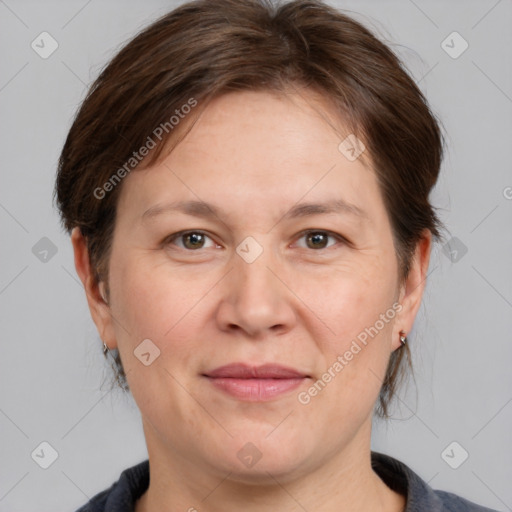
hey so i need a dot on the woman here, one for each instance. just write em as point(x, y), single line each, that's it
point(246, 188)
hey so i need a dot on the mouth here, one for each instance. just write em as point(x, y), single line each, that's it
point(255, 383)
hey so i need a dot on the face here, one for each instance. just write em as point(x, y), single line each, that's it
point(259, 262)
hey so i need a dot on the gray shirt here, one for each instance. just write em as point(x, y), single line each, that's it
point(134, 481)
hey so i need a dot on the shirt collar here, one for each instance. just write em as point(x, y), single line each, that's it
point(134, 481)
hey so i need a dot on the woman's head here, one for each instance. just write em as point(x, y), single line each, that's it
point(241, 123)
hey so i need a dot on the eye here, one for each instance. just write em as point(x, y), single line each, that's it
point(191, 240)
point(319, 239)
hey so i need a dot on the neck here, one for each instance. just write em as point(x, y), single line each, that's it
point(344, 483)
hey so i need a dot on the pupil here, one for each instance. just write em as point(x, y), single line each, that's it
point(193, 240)
point(317, 239)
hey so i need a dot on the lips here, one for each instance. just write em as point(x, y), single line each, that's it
point(244, 371)
point(255, 383)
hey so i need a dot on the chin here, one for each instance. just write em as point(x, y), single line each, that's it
point(267, 472)
point(262, 459)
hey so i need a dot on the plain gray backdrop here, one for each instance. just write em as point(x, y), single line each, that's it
point(452, 427)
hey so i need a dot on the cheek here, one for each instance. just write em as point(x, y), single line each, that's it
point(348, 299)
point(149, 303)
point(139, 304)
point(354, 318)
point(152, 302)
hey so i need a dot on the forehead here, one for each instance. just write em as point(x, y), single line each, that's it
point(248, 150)
point(260, 124)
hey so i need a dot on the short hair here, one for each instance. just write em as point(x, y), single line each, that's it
point(204, 49)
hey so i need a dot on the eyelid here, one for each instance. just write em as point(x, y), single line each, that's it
point(332, 234)
point(171, 238)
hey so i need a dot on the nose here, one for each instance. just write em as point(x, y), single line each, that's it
point(255, 299)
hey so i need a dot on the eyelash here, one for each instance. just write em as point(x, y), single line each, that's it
point(170, 239)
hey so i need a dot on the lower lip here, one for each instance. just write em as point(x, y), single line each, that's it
point(256, 390)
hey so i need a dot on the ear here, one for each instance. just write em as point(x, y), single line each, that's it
point(98, 306)
point(412, 289)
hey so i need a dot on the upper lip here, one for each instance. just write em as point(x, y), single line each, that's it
point(247, 371)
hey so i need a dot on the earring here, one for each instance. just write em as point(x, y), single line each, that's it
point(105, 349)
point(403, 338)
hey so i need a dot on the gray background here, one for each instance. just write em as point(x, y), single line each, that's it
point(52, 368)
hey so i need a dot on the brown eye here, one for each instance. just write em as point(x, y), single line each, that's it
point(317, 240)
point(191, 240)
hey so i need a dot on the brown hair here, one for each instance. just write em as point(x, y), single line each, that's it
point(203, 49)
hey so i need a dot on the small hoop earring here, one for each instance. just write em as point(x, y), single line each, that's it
point(403, 338)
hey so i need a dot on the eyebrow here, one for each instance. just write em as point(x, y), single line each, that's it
point(207, 210)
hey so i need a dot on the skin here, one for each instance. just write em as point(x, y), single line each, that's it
point(255, 155)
